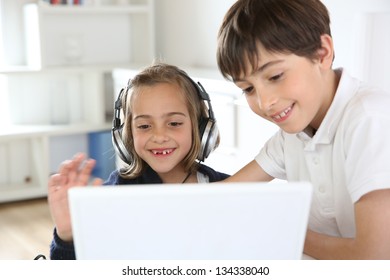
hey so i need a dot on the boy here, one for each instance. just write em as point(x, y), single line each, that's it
point(332, 127)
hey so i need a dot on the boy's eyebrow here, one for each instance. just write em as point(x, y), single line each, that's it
point(165, 115)
point(262, 68)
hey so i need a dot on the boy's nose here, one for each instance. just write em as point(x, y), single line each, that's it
point(266, 101)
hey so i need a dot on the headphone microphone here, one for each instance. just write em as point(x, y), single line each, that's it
point(208, 130)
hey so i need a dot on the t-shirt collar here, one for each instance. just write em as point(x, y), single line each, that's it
point(346, 89)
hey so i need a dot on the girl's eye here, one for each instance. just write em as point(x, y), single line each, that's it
point(143, 126)
point(175, 124)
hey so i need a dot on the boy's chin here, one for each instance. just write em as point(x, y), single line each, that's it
point(292, 129)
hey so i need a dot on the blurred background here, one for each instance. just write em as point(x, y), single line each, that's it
point(62, 66)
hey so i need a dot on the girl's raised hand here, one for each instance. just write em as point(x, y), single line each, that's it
point(72, 173)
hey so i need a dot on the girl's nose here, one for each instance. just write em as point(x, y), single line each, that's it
point(159, 135)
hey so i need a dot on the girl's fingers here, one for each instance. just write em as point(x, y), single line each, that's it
point(85, 172)
point(75, 172)
point(73, 164)
point(54, 182)
point(68, 170)
point(97, 182)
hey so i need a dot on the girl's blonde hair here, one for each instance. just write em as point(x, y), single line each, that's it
point(152, 75)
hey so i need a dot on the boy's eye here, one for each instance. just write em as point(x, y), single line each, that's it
point(247, 90)
point(276, 77)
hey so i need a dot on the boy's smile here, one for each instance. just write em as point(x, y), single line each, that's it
point(280, 117)
point(291, 91)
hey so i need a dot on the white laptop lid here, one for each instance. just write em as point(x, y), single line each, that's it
point(220, 221)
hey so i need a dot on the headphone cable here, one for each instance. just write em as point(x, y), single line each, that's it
point(185, 179)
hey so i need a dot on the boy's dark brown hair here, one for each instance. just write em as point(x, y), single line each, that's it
point(280, 26)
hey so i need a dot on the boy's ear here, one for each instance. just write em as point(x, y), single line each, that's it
point(326, 53)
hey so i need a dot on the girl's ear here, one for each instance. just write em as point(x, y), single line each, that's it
point(326, 53)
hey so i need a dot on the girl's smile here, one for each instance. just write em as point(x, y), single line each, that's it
point(162, 152)
point(162, 129)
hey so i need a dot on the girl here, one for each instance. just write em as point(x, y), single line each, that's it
point(169, 129)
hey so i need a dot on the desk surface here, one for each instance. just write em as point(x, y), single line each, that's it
point(307, 257)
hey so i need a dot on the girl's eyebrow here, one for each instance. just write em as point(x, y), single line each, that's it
point(170, 114)
point(261, 68)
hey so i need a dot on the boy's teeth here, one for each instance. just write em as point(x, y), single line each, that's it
point(281, 115)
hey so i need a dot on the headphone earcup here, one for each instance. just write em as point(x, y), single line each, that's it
point(119, 146)
point(208, 132)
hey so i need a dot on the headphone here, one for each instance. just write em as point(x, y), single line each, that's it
point(208, 130)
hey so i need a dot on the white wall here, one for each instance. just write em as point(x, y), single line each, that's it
point(187, 30)
point(362, 38)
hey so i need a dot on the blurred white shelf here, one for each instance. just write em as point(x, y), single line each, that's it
point(56, 84)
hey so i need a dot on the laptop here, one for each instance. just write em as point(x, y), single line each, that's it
point(219, 221)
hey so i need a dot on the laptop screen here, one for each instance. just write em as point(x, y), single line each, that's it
point(219, 221)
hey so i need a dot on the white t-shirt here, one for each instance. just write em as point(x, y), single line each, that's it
point(348, 156)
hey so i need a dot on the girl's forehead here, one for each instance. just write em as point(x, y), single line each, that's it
point(161, 96)
point(157, 90)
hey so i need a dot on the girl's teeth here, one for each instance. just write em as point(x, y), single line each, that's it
point(165, 152)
